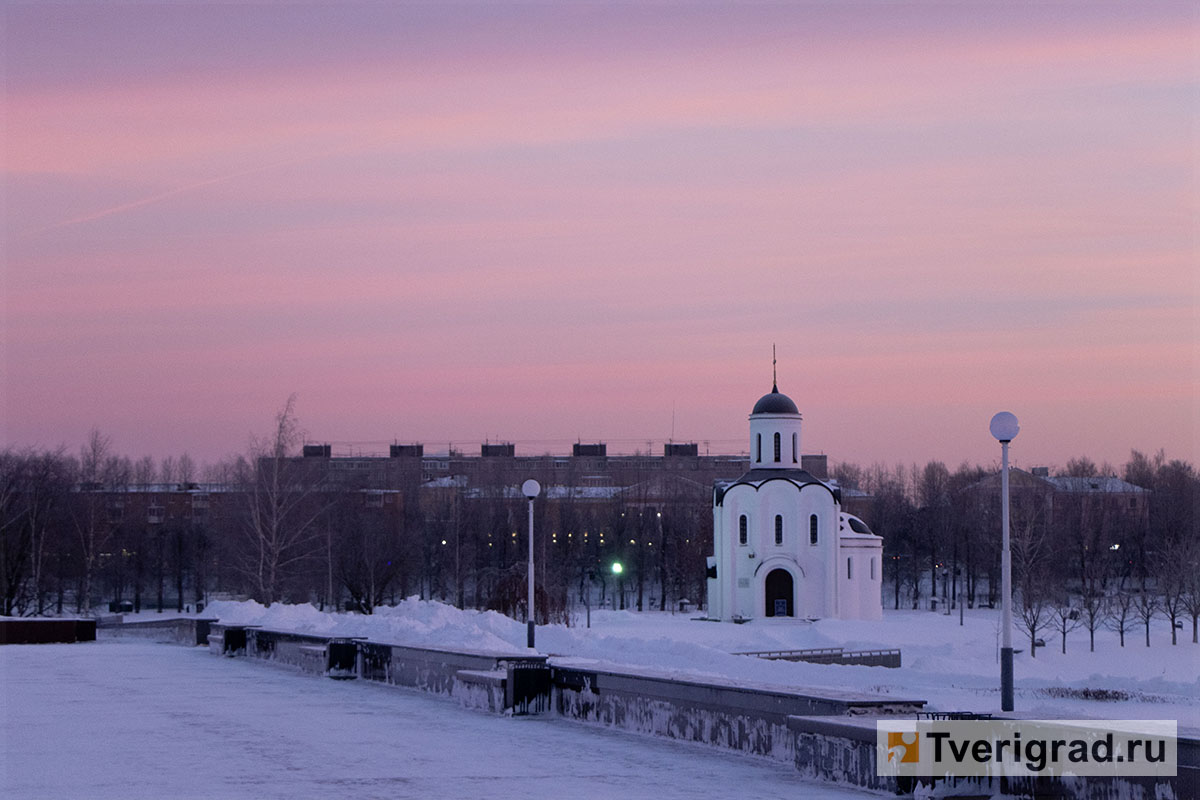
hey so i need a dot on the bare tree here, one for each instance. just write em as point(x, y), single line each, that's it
point(1146, 605)
point(284, 508)
point(365, 553)
point(1174, 576)
point(1064, 618)
point(1032, 556)
point(1093, 610)
point(1033, 614)
point(168, 471)
point(15, 543)
point(99, 473)
point(144, 471)
point(186, 469)
point(1082, 467)
point(1120, 615)
point(1188, 565)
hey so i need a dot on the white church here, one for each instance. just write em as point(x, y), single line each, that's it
point(782, 545)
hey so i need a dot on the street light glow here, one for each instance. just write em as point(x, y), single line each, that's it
point(617, 569)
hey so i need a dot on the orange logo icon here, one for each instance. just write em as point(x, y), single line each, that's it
point(903, 747)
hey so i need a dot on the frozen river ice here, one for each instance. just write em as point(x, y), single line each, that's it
point(130, 719)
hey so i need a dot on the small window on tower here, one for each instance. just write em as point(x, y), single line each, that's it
point(849, 569)
point(758, 447)
point(778, 529)
point(812, 529)
point(777, 448)
point(742, 532)
point(795, 448)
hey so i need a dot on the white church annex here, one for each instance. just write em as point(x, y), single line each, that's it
point(782, 545)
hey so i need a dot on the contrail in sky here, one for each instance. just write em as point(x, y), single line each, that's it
point(154, 198)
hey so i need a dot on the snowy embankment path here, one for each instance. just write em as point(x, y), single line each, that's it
point(130, 719)
point(953, 667)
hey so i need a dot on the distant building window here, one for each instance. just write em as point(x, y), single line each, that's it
point(795, 448)
point(849, 569)
point(777, 449)
point(778, 529)
point(742, 529)
point(812, 529)
point(758, 447)
point(1133, 502)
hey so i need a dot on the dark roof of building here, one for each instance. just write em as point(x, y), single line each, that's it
point(775, 403)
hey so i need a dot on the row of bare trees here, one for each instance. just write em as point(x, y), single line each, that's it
point(1088, 551)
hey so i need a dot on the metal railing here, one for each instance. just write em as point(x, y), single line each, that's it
point(832, 655)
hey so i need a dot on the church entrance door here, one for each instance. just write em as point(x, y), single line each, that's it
point(779, 593)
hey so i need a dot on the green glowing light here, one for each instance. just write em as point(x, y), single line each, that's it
point(617, 569)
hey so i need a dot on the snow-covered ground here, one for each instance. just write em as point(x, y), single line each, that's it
point(954, 668)
point(129, 719)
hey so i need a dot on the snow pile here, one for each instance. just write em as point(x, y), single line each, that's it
point(413, 622)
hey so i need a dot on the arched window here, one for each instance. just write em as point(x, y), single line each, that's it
point(778, 529)
point(758, 447)
point(812, 529)
point(742, 526)
point(795, 448)
point(849, 569)
point(777, 450)
point(872, 568)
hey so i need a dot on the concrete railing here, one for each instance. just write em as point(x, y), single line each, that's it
point(509, 682)
point(724, 714)
point(182, 630)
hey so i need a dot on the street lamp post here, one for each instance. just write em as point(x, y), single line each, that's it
point(530, 489)
point(1005, 428)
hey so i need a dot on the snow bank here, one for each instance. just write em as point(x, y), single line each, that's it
point(413, 622)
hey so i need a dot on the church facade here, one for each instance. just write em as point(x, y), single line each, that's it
point(782, 545)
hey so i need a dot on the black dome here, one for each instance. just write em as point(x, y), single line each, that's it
point(775, 403)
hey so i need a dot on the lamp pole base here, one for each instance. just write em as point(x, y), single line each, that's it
point(529, 643)
point(1006, 678)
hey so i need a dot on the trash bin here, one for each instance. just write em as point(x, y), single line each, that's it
point(527, 688)
point(343, 658)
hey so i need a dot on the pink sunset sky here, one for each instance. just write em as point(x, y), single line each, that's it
point(545, 224)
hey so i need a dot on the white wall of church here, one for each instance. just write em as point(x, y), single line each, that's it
point(860, 575)
point(742, 568)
